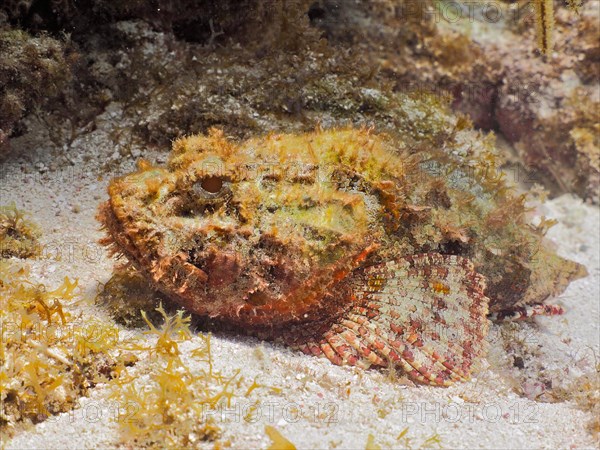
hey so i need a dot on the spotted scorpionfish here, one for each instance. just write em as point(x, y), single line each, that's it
point(340, 243)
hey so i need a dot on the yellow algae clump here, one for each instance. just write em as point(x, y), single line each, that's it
point(18, 236)
point(371, 444)
point(280, 442)
point(170, 400)
point(48, 358)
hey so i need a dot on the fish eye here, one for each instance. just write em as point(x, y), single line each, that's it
point(212, 184)
point(212, 189)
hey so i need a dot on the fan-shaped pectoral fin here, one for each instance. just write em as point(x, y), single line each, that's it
point(425, 314)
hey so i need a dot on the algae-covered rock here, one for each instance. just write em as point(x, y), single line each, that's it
point(549, 109)
point(202, 21)
point(181, 67)
point(18, 235)
point(32, 71)
point(486, 57)
point(126, 294)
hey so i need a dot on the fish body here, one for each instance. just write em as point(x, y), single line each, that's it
point(340, 243)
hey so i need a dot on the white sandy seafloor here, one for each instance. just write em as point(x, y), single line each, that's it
point(320, 405)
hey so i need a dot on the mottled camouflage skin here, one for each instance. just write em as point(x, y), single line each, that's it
point(282, 236)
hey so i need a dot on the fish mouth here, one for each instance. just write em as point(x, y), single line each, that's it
point(120, 242)
point(173, 276)
point(262, 285)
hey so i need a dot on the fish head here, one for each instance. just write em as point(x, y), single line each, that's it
point(261, 232)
